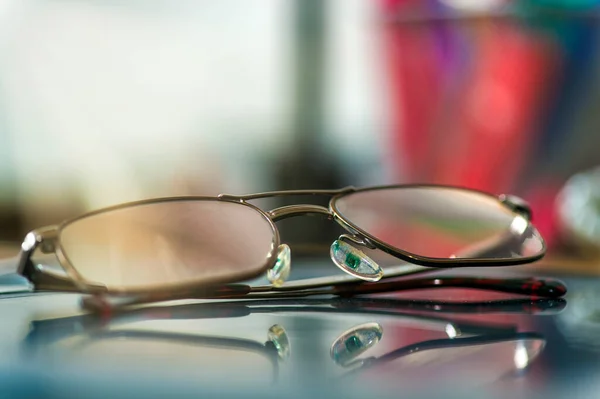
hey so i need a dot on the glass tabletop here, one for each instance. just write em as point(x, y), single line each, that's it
point(456, 343)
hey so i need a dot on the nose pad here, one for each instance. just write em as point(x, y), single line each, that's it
point(280, 272)
point(279, 339)
point(353, 261)
point(346, 349)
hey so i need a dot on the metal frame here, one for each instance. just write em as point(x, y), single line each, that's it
point(512, 203)
point(48, 240)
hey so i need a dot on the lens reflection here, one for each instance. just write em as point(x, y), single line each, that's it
point(439, 222)
point(175, 356)
point(166, 243)
point(480, 362)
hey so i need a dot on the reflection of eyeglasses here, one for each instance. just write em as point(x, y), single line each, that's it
point(346, 350)
point(173, 247)
point(416, 311)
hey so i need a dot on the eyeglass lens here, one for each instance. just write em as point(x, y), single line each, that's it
point(169, 243)
point(439, 222)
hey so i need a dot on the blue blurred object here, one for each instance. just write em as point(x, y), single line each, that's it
point(573, 27)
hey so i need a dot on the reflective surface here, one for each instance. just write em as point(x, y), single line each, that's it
point(369, 352)
point(166, 243)
point(441, 223)
point(453, 343)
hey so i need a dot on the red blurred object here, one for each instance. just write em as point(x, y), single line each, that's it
point(490, 138)
point(413, 67)
point(467, 94)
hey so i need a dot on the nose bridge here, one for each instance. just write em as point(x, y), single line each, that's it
point(289, 211)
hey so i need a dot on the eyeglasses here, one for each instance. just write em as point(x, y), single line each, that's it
point(202, 246)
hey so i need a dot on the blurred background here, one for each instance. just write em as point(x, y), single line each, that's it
point(103, 102)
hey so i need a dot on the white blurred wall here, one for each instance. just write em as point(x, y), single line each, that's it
point(109, 101)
